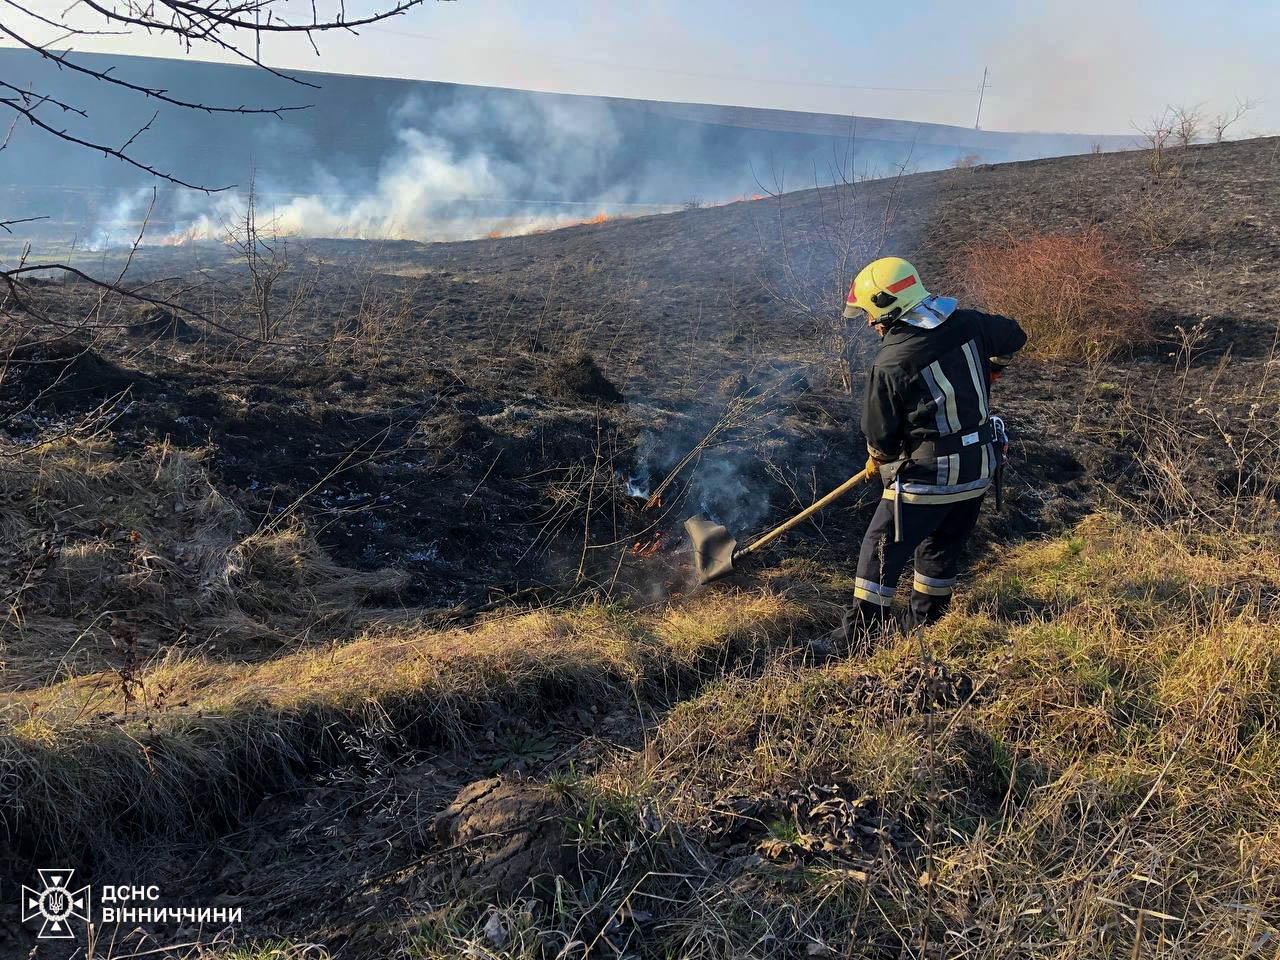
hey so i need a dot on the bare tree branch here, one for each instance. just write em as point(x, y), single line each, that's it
point(30, 114)
point(220, 24)
point(77, 31)
point(208, 11)
point(154, 93)
point(1228, 118)
point(6, 224)
point(37, 100)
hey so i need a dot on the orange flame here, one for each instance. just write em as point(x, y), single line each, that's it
point(642, 549)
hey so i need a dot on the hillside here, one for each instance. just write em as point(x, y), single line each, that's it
point(364, 626)
point(453, 160)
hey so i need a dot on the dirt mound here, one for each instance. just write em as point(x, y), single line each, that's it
point(507, 833)
point(578, 376)
point(61, 375)
point(153, 322)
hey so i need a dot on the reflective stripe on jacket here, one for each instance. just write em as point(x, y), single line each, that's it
point(927, 384)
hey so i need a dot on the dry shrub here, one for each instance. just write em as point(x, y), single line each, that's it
point(1167, 210)
point(146, 554)
point(1075, 295)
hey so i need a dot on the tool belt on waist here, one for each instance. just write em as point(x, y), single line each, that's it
point(952, 443)
point(992, 431)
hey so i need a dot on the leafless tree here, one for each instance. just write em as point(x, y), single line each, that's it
point(813, 260)
point(217, 27)
point(1187, 123)
point(1228, 118)
point(266, 258)
point(1157, 136)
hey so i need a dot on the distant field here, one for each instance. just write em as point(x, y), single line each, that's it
point(384, 158)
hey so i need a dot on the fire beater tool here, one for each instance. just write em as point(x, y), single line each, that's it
point(715, 550)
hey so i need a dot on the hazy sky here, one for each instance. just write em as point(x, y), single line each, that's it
point(1088, 66)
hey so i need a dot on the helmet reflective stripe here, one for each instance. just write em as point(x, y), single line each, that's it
point(886, 289)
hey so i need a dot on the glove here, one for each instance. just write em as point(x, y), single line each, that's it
point(872, 469)
point(997, 366)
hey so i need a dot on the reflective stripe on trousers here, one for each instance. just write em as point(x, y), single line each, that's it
point(933, 536)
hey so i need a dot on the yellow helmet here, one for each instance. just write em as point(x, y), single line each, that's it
point(885, 289)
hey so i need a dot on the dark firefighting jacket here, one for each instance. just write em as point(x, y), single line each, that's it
point(928, 403)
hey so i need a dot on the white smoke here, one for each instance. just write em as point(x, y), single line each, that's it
point(122, 221)
point(495, 163)
point(722, 491)
point(462, 172)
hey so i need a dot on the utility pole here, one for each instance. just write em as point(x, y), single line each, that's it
point(981, 90)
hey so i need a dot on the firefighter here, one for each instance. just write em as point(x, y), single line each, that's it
point(932, 441)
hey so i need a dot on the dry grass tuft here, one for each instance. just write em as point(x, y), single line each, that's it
point(215, 734)
point(121, 559)
point(1085, 763)
point(1076, 295)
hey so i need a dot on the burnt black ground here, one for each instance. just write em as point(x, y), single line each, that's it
point(459, 456)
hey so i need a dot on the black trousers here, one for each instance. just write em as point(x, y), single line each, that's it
point(935, 535)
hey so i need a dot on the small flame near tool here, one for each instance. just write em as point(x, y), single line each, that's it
point(650, 547)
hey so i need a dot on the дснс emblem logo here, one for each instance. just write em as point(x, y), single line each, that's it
point(55, 903)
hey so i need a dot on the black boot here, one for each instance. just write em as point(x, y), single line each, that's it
point(925, 609)
point(861, 626)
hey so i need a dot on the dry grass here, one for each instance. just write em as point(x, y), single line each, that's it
point(1107, 787)
point(204, 737)
point(1081, 761)
point(1076, 295)
point(124, 558)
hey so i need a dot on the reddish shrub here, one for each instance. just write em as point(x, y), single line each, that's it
point(1076, 295)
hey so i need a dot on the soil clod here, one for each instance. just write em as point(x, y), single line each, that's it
point(60, 375)
point(505, 833)
point(579, 376)
point(153, 322)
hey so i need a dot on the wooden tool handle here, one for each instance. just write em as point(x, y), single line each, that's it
point(805, 514)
